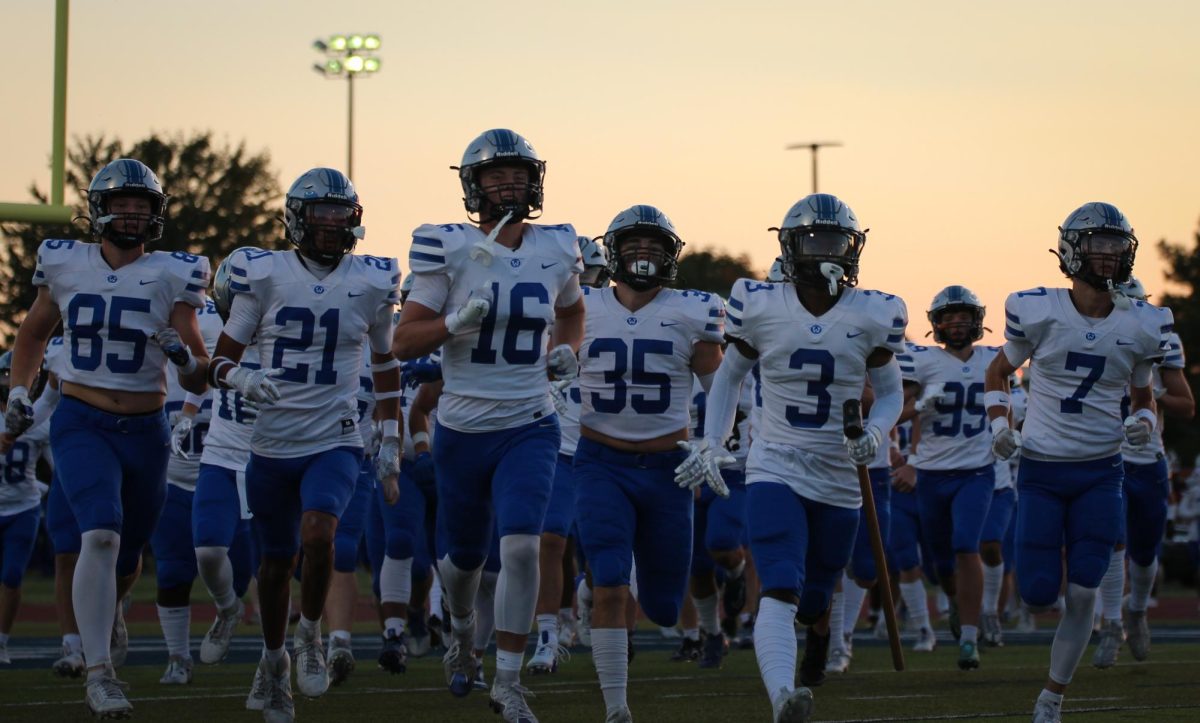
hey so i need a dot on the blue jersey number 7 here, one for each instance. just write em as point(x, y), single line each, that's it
point(1094, 364)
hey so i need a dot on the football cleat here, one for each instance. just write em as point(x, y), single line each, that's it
point(745, 636)
point(1047, 712)
point(793, 706)
point(479, 682)
point(816, 653)
point(568, 629)
point(257, 699)
point(70, 665)
point(1139, 635)
point(584, 628)
point(992, 635)
point(688, 651)
point(118, 642)
point(733, 598)
point(621, 715)
point(215, 645)
point(926, 641)
point(418, 641)
point(278, 706)
point(508, 699)
point(953, 620)
point(340, 660)
point(393, 657)
point(1111, 637)
point(714, 650)
point(106, 699)
point(1025, 620)
point(968, 655)
point(547, 655)
point(459, 666)
point(839, 661)
point(179, 671)
point(312, 675)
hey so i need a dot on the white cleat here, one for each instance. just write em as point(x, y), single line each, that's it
point(508, 699)
point(278, 706)
point(547, 656)
point(340, 661)
point(1139, 635)
point(179, 671)
point(839, 661)
point(257, 700)
point(621, 715)
point(312, 675)
point(568, 632)
point(583, 630)
point(1111, 637)
point(992, 633)
point(118, 642)
point(105, 699)
point(1047, 712)
point(4, 658)
point(215, 645)
point(70, 665)
point(793, 706)
point(1025, 621)
point(670, 633)
point(926, 641)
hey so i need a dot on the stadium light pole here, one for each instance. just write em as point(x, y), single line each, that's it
point(347, 56)
point(813, 146)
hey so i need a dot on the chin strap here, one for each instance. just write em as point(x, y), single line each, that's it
point(482, 251)
point(1120, 300)
point(833, 275)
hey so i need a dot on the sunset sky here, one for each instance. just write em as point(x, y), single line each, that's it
point(971, 130)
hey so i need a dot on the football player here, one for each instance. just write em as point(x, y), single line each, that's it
point(1146, 488)
point(817, 339)
point(643, 344)
point(489, 295)
point(905, 548)
point(312, 311)
point(1084, 345)
point(125, 313)
point(953, 458)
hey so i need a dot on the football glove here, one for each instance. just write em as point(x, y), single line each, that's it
point(416, 372)
point(1006, 441)
point(562, 362)
point(254, 384)
point(18, 417)
point(469, 315)
point(174, 349)
point(931, 394)
point(862, 450)
point(702, 466)
point(558, 395)
point(1138, 431)
point(179, 432)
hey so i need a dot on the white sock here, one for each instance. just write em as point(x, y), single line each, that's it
point(610, 653)
point(94, 593)
point(342, 636)
point(175, 623)
point(943, 602)
point(1141, 581)
point(993, 578)
point(851, 605)
point(217, 573)
point(461, 586)
point(970, 634)
point(309, 629)
point(837, 611)
point(775, 644)
point(508, 666)
point(393, 625)
point(566, 616)
point(517, 586)
point(395, 581)
point(1112, 586)
point(692, 634)
point(706, 611)
point(1074, 631)
point(1054, 699)
point(72, 643)
point(737, 571)
point(917, 602)
point(547, 628)
point(485, 611)
point(435, 594)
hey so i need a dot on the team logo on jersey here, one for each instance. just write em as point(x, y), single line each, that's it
point(318, 289)
point(1090, 336)
point(632, 321)
point(816, 328)
point(516, 263)
point(112, 278)
point(966, 369)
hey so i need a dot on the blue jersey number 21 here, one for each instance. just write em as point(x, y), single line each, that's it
point(304, 316)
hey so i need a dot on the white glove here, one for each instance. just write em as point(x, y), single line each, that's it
point(468, 316)
point(175, 350)
point(255, 384)
point(181, 431)
point(372, 441)
point(863, 449)
point(19, 415)
point(1006, 441)
point(562, 362)
point(931, 394)
point(1138, 431)
point(387, 462)
point(702, 466)
point(558, 395)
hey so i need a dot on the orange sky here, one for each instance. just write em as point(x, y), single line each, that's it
point(971, 129)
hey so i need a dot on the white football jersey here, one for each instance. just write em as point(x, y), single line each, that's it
point(904, 435)
point(495, 378)
point(737, 444)
point(635, 368)
point(314, 330)
point(19, 489)
point(231, 425)
point(1154, 451)
point(56, 356)
point(810, 366)
point(182, 472)
point(108, 316)
point(955, 434)
point(568, 418)
point(1079, 370)
point(365, 397)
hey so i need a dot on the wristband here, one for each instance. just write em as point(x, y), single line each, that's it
point(390, 428)
point(392, 363)
point(18, 392)
point(190, 366)
point(1150, 417)
point(380, 396)
point(998, 424)
point(995, 398)
point(196, 400)
point(420, 438)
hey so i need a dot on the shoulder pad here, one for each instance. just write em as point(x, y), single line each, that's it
point(248, 267)
point(434, 247)
point(888, 312)
point(189, 267)
point(1024, 312)
point(382, 273)
point(707, 312)
point(742, 296)
point(1174, 358)
point(1158, 323)
point(55, 252)
point(567, 240)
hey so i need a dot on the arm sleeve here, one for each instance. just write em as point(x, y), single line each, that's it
point(45, 404)
point(430, 291)
point(569, 293)
point(1143, 373)
point(721, 406)
point(197, 281)
point(244, 316)
point(889, 395)
point(380, 331)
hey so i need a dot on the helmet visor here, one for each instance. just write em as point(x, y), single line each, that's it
point(819, 242)
point(332, 214)
point(1105, 244)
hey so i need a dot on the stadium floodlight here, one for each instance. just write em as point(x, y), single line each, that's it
point(348, 55)
point(814, 146)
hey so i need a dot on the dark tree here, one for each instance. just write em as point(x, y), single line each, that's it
point(708, 270)
point(1183, 271)
point(221, 197)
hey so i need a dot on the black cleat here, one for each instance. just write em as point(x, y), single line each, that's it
point(394, 655)
point(689, 651)
point(816, 655)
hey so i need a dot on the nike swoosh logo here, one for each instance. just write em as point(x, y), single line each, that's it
point(857, 333)
point(354, 295)
point(669, 323)
point(546, 266)
point(144, 282)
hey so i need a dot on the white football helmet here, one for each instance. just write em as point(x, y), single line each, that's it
point(1097, 233)
point(323, 215)
point(821, 242)
point(126, 177)
point(224, 289)
point(956, 298)
point(643, 269)
point(497, 147)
